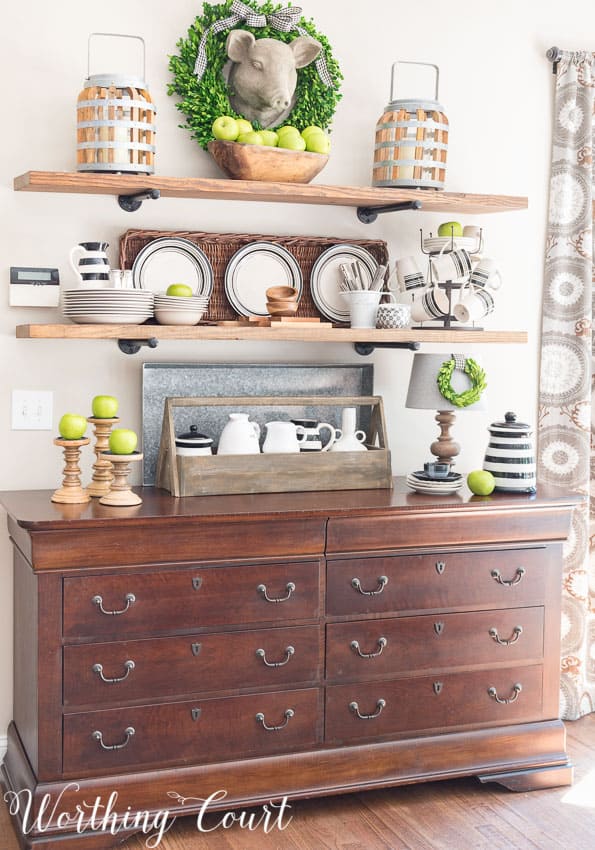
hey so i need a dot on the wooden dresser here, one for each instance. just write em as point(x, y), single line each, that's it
point(290, 644)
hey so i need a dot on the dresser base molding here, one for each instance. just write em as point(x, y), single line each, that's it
point(522, 757)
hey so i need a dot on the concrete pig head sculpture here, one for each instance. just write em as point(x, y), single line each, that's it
point(263, 74)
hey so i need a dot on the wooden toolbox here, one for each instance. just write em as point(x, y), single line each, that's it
point(210, 475)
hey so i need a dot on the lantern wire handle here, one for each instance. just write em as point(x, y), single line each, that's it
point(115, 35)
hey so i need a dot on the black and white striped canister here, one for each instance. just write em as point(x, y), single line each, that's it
point(510, 456)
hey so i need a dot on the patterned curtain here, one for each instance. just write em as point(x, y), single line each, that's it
point(566, 410)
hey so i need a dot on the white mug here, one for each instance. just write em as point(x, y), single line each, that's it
point(451, 265)
point(485, 274)
point(474, 306)
point(363, 305)
point(409, 274)
point(429, 305)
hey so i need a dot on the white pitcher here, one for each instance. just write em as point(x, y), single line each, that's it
point(283, 437)
point(90, 264)
point(240, 436)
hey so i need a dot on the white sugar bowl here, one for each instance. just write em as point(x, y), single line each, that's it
point(393, 315)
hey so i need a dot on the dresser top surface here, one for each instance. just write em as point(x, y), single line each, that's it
point(33, 510)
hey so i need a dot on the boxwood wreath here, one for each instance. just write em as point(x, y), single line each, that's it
point(475, 374)
point(205, 100)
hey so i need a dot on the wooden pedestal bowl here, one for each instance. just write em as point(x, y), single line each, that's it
point(274, 165)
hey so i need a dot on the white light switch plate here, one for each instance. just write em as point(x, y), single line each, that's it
point(32, 410)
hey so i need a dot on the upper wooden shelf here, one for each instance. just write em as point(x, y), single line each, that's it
point(246, 190)
point(259, 334)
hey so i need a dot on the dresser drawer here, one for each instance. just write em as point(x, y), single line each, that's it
point(367, 649)
point(175, 600)
point(152, 668)
point(493, 579)
point(192, 732)
point(432, 702)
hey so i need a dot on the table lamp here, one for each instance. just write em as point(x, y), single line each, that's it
point(467, 382)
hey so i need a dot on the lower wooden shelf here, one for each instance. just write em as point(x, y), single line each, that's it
point(256, 334)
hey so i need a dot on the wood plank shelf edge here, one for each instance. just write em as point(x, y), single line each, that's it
point(289, 334)
point(245, 190)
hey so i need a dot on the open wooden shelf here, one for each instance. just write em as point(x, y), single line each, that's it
point(245, 190)
point(256, 334)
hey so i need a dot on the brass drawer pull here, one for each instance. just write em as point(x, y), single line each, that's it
point(128, 666)
point(382, 582)
point(130, 599)
point(493, 693)
point(289, 587)
point(128, 732)
point(289, 713)
point(354, 707)
point(382, 642)
point(508, 582)
point(289, 651)
point(516, 633)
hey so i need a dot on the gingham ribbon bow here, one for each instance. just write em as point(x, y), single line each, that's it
point(285, 20)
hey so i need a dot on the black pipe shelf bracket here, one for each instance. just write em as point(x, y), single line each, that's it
point(367, 348)
point(132, 203)
point(369, 214)
point(133, 346)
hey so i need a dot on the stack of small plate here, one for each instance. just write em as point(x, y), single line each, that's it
point(107, 306)
point(180, 310)
point(422, 483)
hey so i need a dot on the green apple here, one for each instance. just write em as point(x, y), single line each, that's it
point(269, 138)
point(291, 142)
point(288, 129)
point(251, 138)
point(179, 290)
point(311, 129)
point(450, 228)
point(122, 441)
point(244, 126)
point(72, 426)
point(226, 128)
point(318, 142)
point(481, 482)
point(104, 406)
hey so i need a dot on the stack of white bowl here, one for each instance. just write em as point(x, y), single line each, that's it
point(107, 306)
point(180, 310)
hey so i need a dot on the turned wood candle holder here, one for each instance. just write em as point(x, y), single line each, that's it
point(71, 491)
point(102, 468)
point(120, 494)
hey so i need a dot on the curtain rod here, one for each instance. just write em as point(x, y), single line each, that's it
point(554, 54)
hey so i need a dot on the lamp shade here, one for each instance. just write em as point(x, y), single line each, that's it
point(423, 392)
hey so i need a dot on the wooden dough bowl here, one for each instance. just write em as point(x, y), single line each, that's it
point(255, 162)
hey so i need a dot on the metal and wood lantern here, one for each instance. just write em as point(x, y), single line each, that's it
point(115, 121)
point(411, 141)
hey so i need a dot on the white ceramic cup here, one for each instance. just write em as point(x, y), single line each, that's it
point(451, 265)
point(474, 306)
point(485, 274)
point(429, 305)
point(409, 274)
point(363, 305)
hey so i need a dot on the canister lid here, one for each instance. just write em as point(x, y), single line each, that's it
point(193, 438)
point(411, 104)
point(120, 81)
point(510, 424)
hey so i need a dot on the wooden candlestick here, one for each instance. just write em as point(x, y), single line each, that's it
point(102, 468)
point(71, 492)
point(445, 448)
point(120, 493)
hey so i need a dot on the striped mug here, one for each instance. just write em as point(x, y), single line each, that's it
point(510, 456)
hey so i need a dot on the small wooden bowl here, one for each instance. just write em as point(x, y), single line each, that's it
point(259, 162)
point(282, 293)
point(282, 308)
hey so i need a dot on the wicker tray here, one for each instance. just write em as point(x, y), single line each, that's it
point(220, 247)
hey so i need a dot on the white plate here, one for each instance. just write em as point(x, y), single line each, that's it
point(100, 305)
point(432, 489)
point(435, 244)
point(326, 276)
point(170, 260)
point(255, 268)
point(111, 319)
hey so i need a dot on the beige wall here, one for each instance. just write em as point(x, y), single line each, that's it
point(496, 89)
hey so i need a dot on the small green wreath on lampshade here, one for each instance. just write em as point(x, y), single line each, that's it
point(205, 100)
point(476, 375)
